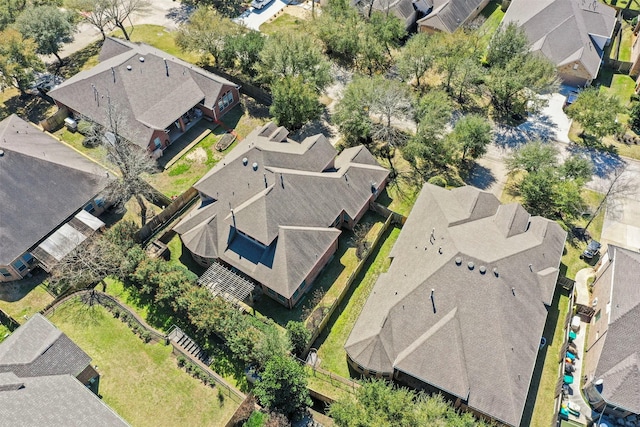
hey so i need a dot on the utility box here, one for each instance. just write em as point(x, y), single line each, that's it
point(71, 124)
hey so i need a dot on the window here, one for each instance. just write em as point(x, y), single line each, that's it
point(5, 272)
point(598, 314)
point(157, 143)
point(225, 100)
point(89, 208)
point(19, 265)
point(28, 258)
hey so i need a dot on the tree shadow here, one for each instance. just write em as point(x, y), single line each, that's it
point(604, 163)
point(18, 289)
point(75, 62)
point(480, 176)
point(32, 107)
point(181, 14)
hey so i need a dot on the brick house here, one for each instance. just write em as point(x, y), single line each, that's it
point(159, 96)
point(273, 209)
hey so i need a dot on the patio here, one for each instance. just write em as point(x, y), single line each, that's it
point(195, 132)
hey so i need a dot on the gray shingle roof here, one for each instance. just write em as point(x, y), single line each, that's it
point(449, 15)
point(619, 362)
point(38, 348)
point(151, 95)
point(562, 30)
point(478, 338)
point(53, 401)
point(42, 183)
point(288, 204)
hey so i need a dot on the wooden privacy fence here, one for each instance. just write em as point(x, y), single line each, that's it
point(260, 95)
point(55, 122)
point(8, 321)
point(175, 208)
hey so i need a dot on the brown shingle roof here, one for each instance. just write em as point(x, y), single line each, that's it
point(478, 338)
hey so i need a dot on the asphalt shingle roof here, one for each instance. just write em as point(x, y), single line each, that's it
point(449, 15)
point(478, 337)
point(42, 183)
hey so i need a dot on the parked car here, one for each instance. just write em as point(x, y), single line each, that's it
point(260, 4)
point(592, 249)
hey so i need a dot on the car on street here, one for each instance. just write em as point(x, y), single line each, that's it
point(260, 4)
point(592, 249)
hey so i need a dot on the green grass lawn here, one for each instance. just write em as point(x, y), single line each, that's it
point(161, 38)
point(141, 382)
point(544, 384)
point(30, 303)
point(493, 15)
point(4, 332)
point(613, 83)
point(283, 23)
point(626, 42)
point(331, 342)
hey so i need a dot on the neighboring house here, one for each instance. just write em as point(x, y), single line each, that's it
point(612, 360)
point(570, 33)
point(273, 208)
point(635, 58)
point(157, 96)
point(462, 308)
point(401, 9)
point(45, 380)
point(47, 190)
point(449, 15)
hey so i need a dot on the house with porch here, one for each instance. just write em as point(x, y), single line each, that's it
point(462, 308)
point(47, 380)
point(570, 33)
point(156, 96)
point(50, 198)
point(612, 358)
point(273, 209)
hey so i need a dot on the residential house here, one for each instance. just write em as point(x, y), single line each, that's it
point(156, 96)
point(274, 207)
point(401, 9)
point(612, 359)
point(47, 380)
point(449, 15)
point(570, 33)
point(48, 192)
point(462, 307)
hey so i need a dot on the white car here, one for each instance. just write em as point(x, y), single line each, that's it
point(260, 4)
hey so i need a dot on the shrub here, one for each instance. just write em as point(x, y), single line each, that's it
point(115, 312)
point(181, 361)
point(124, 317)
point(438, 180)
point(145, 335)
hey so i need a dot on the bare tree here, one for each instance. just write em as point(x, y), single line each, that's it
point(119, 11)
point(93, 12)
point(618, 188)
point(131, 162)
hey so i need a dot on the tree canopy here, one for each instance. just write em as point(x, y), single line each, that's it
point(48, 26)
point(18, 60)
point(283, 387)
point(596, 112)
point(294, 102)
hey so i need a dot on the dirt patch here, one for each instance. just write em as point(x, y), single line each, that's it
point(199, 155)
point(300, 11)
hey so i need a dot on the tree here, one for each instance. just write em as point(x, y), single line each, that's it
point(49, 27)
point(130, 161)
point(93, 12)
point(283, 387)
point(119, 11)
point(472, 133)
point(508, 43)
point(618, 188)
point(299, 336)
point(11, 9)
point(18, 61)
point(596, 112)
point(289, 54)
point(450, 53)
point(294, 102)
point(242, 51)
point(352, 114)
point(416, 57)
point(634, 119)
point(532, 157)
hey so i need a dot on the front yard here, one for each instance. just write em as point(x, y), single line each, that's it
point(141, 382)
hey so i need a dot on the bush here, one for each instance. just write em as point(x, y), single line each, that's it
point(124, 317)
point(181, 361)
point(145, 335)
point(634, 117)
point(115, 312)
point(438, 180)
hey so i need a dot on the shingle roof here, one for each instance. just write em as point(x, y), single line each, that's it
point(449, 15)
point(287, 203)
point(562, 30)
point(619, 363)
point(52, 401)
point(403, 9)
point(42, 183)
point(478, 337)
point(150, 94)
point(38, 348)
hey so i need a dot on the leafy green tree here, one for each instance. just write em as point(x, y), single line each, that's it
point(596, 112)
point(283, 387)
point(634, 119)
point(416, 57)
point(577, 168)
point(532, 157)
point(48, 26)
point(434, 108)
point(352, 113)
point(242, 51)
point(508, 43)
point(299, 336)
point(451, 51)
point(272, 343)
point(289, 54)
point(472, 133)
point(18, 61)
point(294, 102)
point(538, 191)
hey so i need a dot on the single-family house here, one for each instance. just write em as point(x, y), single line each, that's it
point(463, 305)
point(47, 380)
point(274, 207)
point(570, 33)
point(49, 193)
point(612, 358)
point(449, 15)
point(156, 96)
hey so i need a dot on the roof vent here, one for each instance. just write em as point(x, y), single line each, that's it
point(495, 271)
point(141, 59)
point(1, 153)
point(471, 265)
point(482, 269)
point(129, 67)
point(255, 166)
point(245, 161)
point(458, 261)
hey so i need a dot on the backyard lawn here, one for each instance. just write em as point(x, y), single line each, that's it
point(23, 302)
point(493, 15)
point(613, 83)
point(331, 342)
point(141, 382)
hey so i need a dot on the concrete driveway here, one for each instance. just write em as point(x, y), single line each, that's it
point(256, 17)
